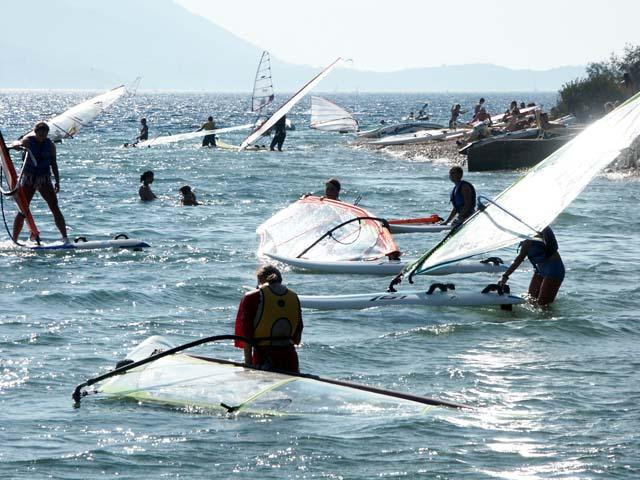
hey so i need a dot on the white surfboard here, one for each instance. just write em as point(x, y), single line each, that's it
point(383, 266)
point(81, 244)
point(436, 299)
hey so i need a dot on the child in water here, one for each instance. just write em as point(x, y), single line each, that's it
point(187, 196)
point(146, 179)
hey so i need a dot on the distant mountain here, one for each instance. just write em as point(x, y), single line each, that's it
point(90, 44)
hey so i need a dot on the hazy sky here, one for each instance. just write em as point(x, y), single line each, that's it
point(396, 34)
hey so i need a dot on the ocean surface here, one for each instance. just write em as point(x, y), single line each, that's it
point(555, 392)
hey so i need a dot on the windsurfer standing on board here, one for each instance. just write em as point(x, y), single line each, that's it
point(548, 267)
point(280, 133)
point(463, 198)
point(271, 316)
point(37, 177)
point(208, 140)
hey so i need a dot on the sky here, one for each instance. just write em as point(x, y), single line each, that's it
point(397, 34)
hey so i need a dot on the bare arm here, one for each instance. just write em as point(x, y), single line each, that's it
point(516, 262)
point(450, 217)
point(54, 168)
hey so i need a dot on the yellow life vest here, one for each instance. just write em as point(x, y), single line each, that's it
point(278, 316)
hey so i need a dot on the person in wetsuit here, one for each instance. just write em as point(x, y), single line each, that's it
point(271, 316)
point(208, 140)
point(548, 266)
point(463, 198)
point(144, 131)
point(36, 177)
point(279, 133)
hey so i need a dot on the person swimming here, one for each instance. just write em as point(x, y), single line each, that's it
point(188, 198)
point(146, 179)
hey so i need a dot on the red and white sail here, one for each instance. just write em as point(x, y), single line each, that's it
point(293, 231)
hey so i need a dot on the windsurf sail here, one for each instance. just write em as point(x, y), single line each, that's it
point(164, 140)
point(300, 231)
point(209, 383)
point(288, 105)
point(327, 116)
point(70, 122)
point(263, 85)
point(535, 200)
point(12, 179)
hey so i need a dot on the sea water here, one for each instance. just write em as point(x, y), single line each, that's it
point(555, 392)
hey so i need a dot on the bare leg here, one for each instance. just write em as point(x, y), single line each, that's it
point(534, 285)
point(18, 222)
point(548, 290)
point(49, 195)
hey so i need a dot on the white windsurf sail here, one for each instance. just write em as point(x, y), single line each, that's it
point(301, 231)
point(329, 117)
point(263, 85)
point(288, 105)
point(535, 200)
point(69, 123)
point(209, 383)
point(167, 139)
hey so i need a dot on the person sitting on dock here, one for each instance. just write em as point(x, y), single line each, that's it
point(187, 197)
point(271, 316)
point(482, 116)
point(548, 267)
point(463, 198)
point(478, 107)
point(146, 179)
point(208, 140)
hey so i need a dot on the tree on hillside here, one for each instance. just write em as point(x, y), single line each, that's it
point(585, 97)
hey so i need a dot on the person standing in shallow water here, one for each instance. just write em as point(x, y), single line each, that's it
point(280, 133)
point(144, 131)
point(271, 316)
point(208, 140)
point(463, 198)
point(548, 267)
point(146, 179)
point(41, 162)
point(187, 197)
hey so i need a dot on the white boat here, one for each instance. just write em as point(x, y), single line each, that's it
point(177, 379)
point(384, 267)
point(438, 298)
point(397, 129)
point(422, 136)
point(533, 202)
point(288, 105)
point(329, 117)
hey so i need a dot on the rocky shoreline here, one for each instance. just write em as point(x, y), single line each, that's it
point(443, 152)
